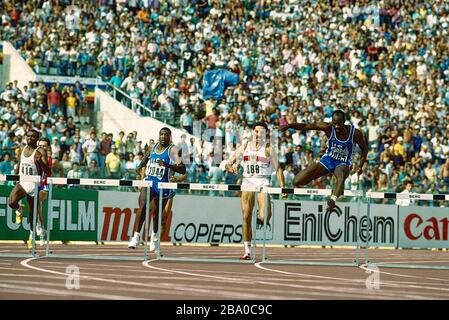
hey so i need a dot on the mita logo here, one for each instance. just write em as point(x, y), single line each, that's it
point(335, 226)
point(115, 220)
point(118, 224)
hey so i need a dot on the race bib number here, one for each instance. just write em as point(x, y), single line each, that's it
point(252, 169)
point(27, 170)
point(156, 170)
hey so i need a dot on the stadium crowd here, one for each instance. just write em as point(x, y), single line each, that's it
point(385, 63)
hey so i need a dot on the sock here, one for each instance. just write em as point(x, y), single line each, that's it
point(334, 197)
point(31, 233)
point(153, 235)
point(247, 246)
point(136, 234)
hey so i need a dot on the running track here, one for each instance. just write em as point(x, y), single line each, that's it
point(45, 278)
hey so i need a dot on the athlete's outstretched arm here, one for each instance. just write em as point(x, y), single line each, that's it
point(41, 157)
point(17, 168)
point(230, 164)
point(277, 167)
point(360, 140)
point(180, 178)
point(326, 127)
point(177, 165)
point(144, 162)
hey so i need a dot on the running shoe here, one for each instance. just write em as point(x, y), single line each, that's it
point(246, 256)
point(19, 214)
point(134, 242)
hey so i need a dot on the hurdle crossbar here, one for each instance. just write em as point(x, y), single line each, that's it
point(403, 196)
point(23, 178)
point(198, 186)
point(97, 182)
point(312, 192)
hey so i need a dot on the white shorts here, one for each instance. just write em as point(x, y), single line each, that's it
point(255, 182)
point(29, 188)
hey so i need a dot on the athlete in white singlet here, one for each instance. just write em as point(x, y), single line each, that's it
point(259, 160)
point(32, 160)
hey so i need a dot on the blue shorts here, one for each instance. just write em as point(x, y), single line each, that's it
point(330, 164)
point(166, 194)
point(43, 188)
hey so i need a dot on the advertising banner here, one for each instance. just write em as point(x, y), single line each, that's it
point(90, 215)
point(116, 215)
point(219, 220)
point(74, 216)
point(423, 227)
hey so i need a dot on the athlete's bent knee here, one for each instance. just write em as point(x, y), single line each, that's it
point(298, 181)
point(12, 204)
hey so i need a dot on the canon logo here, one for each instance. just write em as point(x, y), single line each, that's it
point(415, 227)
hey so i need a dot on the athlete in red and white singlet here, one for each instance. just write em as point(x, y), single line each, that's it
point(43, 143)
point(259, 160)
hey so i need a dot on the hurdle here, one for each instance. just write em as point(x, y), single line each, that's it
point(312, 192)
point(21, 178)
point(199, 187)
point(96, 182)
point(402, 196)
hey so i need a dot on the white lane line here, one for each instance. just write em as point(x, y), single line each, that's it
point(409, 262)
point(323, 290)
point(385, 283)
point(65, 293)
point(366, 268)
point(100, 288)
point(182, 288)
point(258, 265)
point(147, 265)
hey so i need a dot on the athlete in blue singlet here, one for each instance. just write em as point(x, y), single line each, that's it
point(161, 163)
point(338, 156)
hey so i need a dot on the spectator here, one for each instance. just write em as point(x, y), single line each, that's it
point(93, 171)
point(6, 166)
point(75, 173)
point(186, 120)
point(408, 189)
point(90, 148)
point(113, 164)
point(54, 102)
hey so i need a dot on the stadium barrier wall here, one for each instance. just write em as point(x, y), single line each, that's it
point(114, 117)
point(15, 67)
point(96, 215)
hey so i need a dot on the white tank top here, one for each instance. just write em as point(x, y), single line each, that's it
point(27, 164)
point(256, 164)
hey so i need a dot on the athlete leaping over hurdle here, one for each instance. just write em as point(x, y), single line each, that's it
point(338, 156)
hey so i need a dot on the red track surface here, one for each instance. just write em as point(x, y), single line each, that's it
point(45, 278)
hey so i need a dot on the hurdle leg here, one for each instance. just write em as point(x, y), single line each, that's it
point(367, 231)
point(357, 249)
point(33, 241)
point(253, 240)
point(147, 214)
point(265, 226)
point(49, 217)
point(159, 225)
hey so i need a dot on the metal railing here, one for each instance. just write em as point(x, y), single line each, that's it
point(137, 106)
